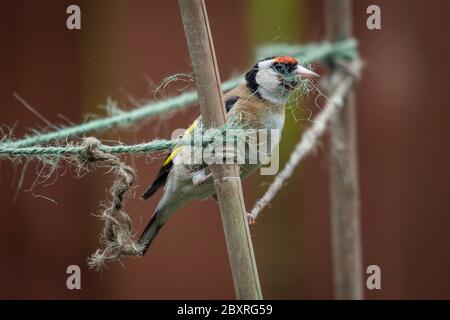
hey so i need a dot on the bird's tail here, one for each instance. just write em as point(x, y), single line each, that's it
point(150, 232)
point(157, 221)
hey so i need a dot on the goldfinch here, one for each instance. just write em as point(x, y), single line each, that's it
point(260, 100)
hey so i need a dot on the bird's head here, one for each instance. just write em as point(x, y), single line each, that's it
point(274, 78)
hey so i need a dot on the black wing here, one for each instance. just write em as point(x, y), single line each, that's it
point(159, 181)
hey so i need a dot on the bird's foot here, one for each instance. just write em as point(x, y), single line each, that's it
point(250, 220)
point(200, 177)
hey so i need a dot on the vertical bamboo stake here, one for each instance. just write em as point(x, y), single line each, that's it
point(226, 177)
point(345, 220)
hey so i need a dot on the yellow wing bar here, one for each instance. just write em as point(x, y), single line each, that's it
point(178, 149)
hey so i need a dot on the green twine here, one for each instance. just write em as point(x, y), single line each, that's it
point(152, 146)
point(197, 138)
point(312, 52)
point(307, 54)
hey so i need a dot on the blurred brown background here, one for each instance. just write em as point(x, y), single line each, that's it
point(124, 47)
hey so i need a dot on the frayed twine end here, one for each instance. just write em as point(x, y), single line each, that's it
point(117, 237)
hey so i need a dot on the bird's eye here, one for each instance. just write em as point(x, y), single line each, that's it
point(287, 76)
point(283, 68)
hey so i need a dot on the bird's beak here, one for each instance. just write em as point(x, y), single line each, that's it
point(304, 73)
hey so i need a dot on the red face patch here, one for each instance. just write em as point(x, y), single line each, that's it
point(286, 59)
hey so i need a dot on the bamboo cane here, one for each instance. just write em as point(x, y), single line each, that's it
point(226, 177)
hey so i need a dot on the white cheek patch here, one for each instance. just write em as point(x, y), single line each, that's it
point(270, 88)
point(267, 79)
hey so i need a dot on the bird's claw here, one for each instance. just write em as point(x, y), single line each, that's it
point(250, 220)
point(200, 178)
